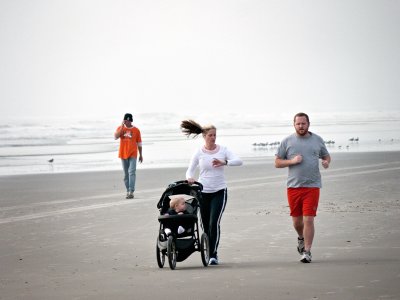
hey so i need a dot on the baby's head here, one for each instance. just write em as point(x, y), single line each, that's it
point(178, 203)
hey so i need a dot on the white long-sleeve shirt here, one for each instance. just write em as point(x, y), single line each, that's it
point(212, 178)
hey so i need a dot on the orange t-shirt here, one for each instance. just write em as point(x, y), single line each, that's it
point(129, 142)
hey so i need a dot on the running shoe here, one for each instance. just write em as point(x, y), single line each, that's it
point(300, 245)
point(129, 195)
point(213, 261)
point(306, 257)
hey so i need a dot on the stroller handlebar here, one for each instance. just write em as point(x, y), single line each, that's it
point(196, 183)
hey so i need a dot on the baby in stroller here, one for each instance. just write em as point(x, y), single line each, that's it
point(177, 206)
point(179, 234)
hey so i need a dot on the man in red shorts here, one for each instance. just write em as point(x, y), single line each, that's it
point(300, 152)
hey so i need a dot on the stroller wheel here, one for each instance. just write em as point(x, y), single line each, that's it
point(171, 252)
point(160, 255)
point(204, 249)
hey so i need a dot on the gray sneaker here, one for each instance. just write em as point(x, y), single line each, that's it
point(306, 257)
point(129, 195)
point(300, 245)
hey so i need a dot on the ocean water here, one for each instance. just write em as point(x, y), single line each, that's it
point(78, 145)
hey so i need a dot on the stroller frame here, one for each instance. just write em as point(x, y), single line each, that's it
point(177, 247)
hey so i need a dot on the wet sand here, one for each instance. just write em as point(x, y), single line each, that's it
point(75, 236)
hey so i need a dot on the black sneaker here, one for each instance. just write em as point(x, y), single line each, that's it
point(300, 245)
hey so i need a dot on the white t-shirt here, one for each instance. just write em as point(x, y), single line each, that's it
point(212, 178)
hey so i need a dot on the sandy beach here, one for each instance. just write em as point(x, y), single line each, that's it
point(75, 236)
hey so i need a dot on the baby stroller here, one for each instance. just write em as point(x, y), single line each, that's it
point(179, 246)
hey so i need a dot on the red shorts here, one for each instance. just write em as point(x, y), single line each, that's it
point(303, 201)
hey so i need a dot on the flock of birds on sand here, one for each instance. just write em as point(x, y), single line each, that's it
point(267, 145)
point(352, 139)
point(277, 143)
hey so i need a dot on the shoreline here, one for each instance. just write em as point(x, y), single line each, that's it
point(144, 166)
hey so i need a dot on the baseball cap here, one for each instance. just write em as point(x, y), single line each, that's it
point(128, 117)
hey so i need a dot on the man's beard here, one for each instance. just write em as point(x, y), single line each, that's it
point(302, 132)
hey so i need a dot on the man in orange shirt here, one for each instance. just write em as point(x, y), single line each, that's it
point(129, 146)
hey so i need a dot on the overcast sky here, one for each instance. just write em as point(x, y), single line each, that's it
point(96, 57)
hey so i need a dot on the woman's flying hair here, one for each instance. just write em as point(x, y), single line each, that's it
point(190, 127)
